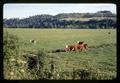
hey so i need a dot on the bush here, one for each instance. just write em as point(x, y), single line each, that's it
point(10, 52)
point(18, 66)
point(91, 74)
point(13, 62)
point(10, 44)
point(37, 65)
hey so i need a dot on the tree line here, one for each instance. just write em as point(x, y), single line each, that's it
point(59, 21)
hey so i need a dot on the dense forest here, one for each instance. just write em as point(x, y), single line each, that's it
point(100, 19)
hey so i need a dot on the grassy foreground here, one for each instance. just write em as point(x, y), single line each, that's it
point(100, 58)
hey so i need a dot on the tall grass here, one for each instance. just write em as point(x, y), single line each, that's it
point(11, 53)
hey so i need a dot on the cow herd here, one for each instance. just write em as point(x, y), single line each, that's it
point(79, 46)
point(76, 47)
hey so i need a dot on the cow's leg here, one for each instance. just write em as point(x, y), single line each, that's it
point(81, 49)
point(76, 49)
point(85, 47)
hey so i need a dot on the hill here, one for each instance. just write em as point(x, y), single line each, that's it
point(100, 19)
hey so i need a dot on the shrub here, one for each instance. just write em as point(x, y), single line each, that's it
point(10, 44)
point(10, 52)
point(37, 65)
point(13, 62)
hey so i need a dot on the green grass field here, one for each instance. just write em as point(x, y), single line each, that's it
point(101, 56)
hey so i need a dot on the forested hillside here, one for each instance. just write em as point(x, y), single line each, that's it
point(100, 19)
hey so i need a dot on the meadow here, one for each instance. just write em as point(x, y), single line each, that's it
point(100, 56)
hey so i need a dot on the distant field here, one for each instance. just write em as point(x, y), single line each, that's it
point(87, 19)
point(101, 55)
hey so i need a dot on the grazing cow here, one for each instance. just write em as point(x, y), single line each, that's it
point(82, 46)
point(70, 48)
point(77, 47)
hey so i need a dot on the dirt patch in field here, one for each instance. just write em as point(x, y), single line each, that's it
point(103, 45)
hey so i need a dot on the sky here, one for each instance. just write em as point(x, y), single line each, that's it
point(26, 10)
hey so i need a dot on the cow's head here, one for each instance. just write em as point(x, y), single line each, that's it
point(80, 42)
point(66, 46)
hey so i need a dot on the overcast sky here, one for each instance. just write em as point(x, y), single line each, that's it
point(26, 10)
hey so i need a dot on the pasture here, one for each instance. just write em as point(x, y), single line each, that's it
point(101, 55)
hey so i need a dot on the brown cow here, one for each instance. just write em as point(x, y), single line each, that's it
point(70, 48)
point(82, 46)
point(77, 47)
